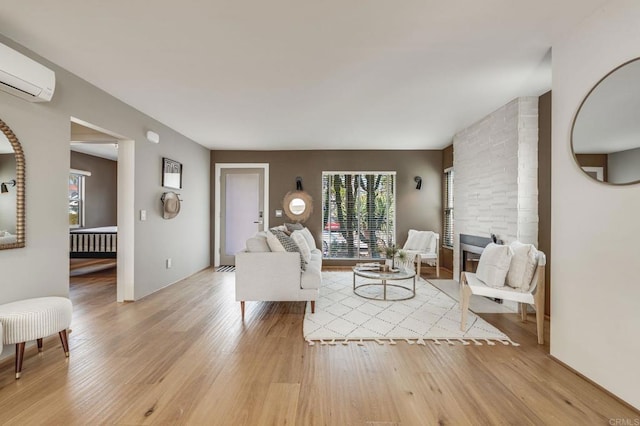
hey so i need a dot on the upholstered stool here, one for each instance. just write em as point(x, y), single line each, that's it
point(33, 319)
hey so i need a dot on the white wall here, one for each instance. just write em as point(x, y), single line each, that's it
point(42, 267)
point(495, 164)
point(595, 227)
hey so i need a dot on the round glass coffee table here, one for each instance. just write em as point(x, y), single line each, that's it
point(383, 277)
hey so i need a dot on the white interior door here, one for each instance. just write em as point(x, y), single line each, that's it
point(242, 209)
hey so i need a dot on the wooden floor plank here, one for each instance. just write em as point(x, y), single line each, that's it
point(183, 355)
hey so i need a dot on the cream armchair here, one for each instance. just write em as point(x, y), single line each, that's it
point(527, 292)
point(423, 246)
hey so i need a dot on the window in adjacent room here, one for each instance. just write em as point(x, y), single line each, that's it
point(76, 197)
point(447, 240)
point(358, 213)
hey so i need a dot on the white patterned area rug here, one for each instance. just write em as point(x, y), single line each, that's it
point(342, 316)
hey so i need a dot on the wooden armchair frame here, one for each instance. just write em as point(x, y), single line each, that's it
point(470, 284)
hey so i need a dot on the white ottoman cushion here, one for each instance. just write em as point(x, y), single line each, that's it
point(32, 319)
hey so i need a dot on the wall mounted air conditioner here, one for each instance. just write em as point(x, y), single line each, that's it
point(24, 77)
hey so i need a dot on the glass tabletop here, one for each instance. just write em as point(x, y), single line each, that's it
point(390, 275)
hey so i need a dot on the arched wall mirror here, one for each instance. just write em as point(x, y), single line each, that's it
point(297, 205)
point(605, 137)
point(12, 224)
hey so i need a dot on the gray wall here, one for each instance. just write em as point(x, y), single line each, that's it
point(42, 267)
point(8, 200)
point(624, 166)
point(415, 209)
point(101, 192)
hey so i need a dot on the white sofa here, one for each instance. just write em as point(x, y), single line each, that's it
point(271, 276)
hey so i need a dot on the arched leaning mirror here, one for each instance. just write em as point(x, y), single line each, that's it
point(11, 190)
point(605, 137)
point(297, 205)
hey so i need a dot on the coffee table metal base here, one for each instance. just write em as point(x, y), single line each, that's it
point(383, 283)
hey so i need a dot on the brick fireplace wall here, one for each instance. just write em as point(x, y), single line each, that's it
point(496, 176)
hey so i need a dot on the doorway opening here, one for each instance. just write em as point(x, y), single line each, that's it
point(101, 207)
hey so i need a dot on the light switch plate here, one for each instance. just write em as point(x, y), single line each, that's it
point(143, 215)
point(278, 213)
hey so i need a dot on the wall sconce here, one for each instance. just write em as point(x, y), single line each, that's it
point(298, 183)
point(418, 181)
point(3, 186)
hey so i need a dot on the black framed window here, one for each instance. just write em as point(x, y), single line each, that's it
point(358, 213)
point(77, 198)
point(447, 239)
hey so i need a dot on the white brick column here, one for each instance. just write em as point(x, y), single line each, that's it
point(495, 189)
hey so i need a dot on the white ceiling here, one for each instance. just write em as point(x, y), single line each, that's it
point(291, 74)
point(93, 142)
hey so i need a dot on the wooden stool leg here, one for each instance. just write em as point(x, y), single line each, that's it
point(65, 342)
point(242, 308)
point(313, 306)
point(39, 344)
point(19, 356)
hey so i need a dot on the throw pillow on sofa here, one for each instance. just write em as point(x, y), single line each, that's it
point(311, 242)
point(301, 241)
point(273, 242)
point(289, 245)
point(258, 244)
point(494, 265)
point(293, 227)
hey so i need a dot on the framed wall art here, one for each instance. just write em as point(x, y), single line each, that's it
point(171, 174)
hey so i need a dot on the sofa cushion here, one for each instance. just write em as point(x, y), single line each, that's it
point(316, 258)
point(523, 265)
point(494, 264)
point(301, 241)
point(258, 245)
point(274, 243)
point(311, 242)
point(289, 245)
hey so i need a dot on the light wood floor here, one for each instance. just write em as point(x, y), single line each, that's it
point(88, 266)
point(184, 356)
